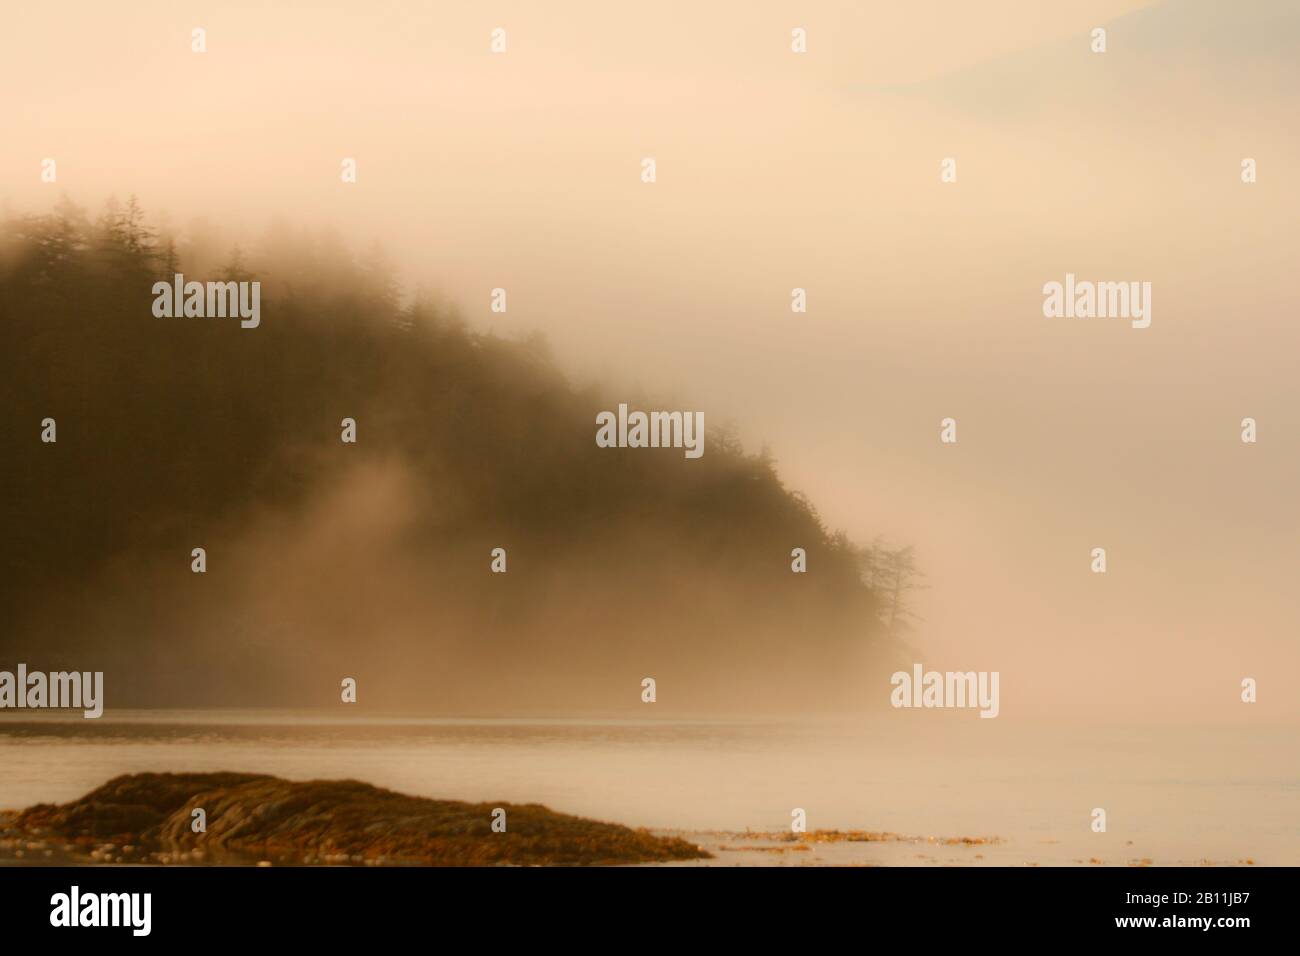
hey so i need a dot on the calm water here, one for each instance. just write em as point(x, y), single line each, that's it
point(1173, 795)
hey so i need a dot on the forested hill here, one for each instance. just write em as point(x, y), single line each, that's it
point(371, 560)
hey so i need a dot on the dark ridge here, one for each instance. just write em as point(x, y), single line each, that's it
point(371, 560)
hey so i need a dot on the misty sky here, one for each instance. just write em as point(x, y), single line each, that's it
point(820, 171)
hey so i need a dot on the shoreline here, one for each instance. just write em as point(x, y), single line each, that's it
point(1175, 800)
point(725, 849)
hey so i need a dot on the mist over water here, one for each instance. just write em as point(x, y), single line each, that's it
point(1167, 790)
point(520, 172)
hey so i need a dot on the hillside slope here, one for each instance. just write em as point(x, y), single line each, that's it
point(371, 560)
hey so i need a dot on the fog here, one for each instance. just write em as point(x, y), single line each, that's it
point(819, 171)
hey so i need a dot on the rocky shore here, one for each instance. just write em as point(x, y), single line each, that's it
point(254, 819)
